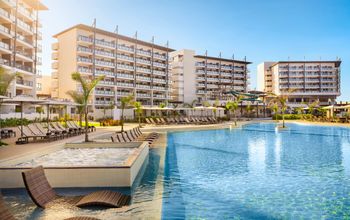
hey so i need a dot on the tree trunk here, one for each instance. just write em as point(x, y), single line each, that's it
point(122, 120)
point(139, 120)
point(80, 119)
point(235, 119)
point(283, 124)
point(86, 125)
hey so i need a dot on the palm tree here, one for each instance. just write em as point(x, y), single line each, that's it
point(249, 108)
point(6, 79)
point(235, 104)
point(282, 102)
point(78, 98)
point(299, 110)
point(124, 103)
point(191, 105)
point(228, 107)
point(138, 109)
point(215, 105)
point(87, 88)
point(273, 105)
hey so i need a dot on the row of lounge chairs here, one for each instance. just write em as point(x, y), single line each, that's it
point(43, 195)
point(182, 120)
point(50, 131)
point(134, 134)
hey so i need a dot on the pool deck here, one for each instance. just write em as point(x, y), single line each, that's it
point(13, 151)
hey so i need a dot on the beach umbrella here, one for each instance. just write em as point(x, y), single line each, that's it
point(23, 100)
point(50, 102)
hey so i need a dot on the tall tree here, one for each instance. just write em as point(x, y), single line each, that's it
point(124, 103)
point(282, 100)
point(78, 98)
point(138, 110)
point(87, 88)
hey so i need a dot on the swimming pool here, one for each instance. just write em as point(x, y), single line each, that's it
point(254, 172)
point(258, 173)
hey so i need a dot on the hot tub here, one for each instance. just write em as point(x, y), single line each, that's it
point(82, 165)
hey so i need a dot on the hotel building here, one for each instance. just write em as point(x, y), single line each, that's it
point(20, 43)
point(205, 78)
point(130, 66)
point(309, 81)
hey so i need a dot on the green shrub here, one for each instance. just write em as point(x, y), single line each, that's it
point(292, 116)
point(13, 122)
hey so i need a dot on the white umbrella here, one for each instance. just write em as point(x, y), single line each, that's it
point(21, 100)
point(49, 102)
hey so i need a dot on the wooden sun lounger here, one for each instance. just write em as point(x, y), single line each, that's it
point(5, 214)
point(43, 194)
point(27, 133)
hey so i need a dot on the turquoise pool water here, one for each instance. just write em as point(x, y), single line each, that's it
point(258, 173)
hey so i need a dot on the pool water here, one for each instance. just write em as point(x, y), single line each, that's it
point(72, 157)
point(257, 172)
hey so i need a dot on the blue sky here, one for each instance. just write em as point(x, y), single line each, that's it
point(261, 30)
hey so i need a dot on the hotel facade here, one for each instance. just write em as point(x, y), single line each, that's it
point(20, 44)
point(205, 78)
point(130, 66)
point(308, 81)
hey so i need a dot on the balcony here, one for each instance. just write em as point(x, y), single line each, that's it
point(144, 70)
point(126, 48)
point(104, 92)
point(104, 53)
point(54, 56)
point(24, 26)
point(124, 57)
point(6, 16)
point(84, 49)
point(24, 68)
point(160, 73)
point(26, 83)
point(140, 86)
point(159, 56)
point(84, 60)
point(143, 61)
point(5, 31)
point(125, 76)
point(109, 83)
point(84, 39)
point(105, 73)
point(143, 95)
point(124, 93)
point(24, 40)
point(84, 70)
point(143, 52)
point(105, 43)
point(55, 46)
point(161, 65)
point(143, 78)
point(125, 67)
point(129, 85)
point(30, 16)
point(27, 56)
point(54, 65)
point(5, 47)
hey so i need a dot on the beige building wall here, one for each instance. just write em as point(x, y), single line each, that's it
point(303, 81)
point(205, 78)
point(130, 67)
point(44, 86)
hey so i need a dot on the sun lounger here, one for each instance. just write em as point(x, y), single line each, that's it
point(5, 214)
point(27, 133)
point(43, 194)
point(76, 129)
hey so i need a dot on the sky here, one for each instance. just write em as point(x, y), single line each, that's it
point(269, 30)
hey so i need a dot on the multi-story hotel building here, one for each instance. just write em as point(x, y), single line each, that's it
point(306, 81)
point(20, 43)
point(130, 66)
point(205, 78)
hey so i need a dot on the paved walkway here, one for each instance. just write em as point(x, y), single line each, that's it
point(12, 151)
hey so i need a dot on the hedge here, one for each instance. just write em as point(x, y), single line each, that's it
point(292, 116)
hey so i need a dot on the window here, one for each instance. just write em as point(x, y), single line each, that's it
point(39, 86)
